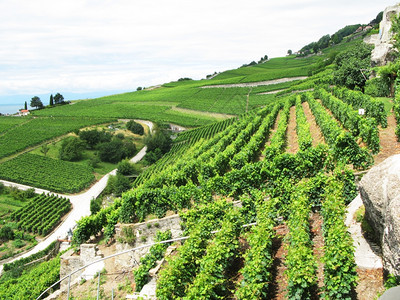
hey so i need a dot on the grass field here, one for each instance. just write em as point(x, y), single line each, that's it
point(8, 204)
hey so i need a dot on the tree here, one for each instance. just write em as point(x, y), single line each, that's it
point(129, 148)
point(395, 29)
point(95, 205)
point(36, 102)
point(117, 185)
point(289, 52)
point(351, 66)
point(135, 127)
point(26, 106)
point(58, 98)
point(378, 18)
point(72, 149)
point(125, 167)
point(44, 149)
point(159, 140)
point(6, 233)
point(139, 88)
point(94, 137)
point(51, 100)
point(157, 145)
point(115, 150)
point(323, 42)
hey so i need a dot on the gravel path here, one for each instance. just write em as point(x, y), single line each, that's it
point(252, 84)
point(80, 205)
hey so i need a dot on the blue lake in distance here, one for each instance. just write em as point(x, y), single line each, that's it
point(10, 108)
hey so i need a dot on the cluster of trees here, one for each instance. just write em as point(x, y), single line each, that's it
point(135, 127)
point(253, 63)
point(352, 67)
point(110, 148)
point(37, 103)
point(157, 145)
point(57, 99)
point(184, 79)
point(327, 40)
point(6, 233)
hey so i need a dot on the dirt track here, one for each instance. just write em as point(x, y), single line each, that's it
point(252, 84)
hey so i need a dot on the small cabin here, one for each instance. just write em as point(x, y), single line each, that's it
point(23, 112)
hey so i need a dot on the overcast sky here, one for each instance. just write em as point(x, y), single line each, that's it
point(104, 46)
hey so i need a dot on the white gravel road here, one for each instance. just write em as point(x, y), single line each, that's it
point(80, 205)
point(253, 84)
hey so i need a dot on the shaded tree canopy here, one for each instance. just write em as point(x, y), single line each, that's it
point(352, 66)
point(135, 127)
point(94, 137)
point(72, 149)
point(115, 150)
point(159, 140)
point(36, 102)
point(58, 98)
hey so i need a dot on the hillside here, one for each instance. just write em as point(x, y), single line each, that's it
point(286, 151)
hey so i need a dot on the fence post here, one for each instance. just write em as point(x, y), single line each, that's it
point(69, 284)
point(98, 287)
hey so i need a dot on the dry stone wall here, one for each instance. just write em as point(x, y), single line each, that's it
point(129, 236)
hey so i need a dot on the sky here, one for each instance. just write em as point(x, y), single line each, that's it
point(87, 48)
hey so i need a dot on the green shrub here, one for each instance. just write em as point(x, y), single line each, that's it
point(377, 87)
point(6, 233)
point(135, 127)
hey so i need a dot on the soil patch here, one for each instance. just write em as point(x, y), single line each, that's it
point(271, 133)
point(316, 134)
point(279, 283)
point(388, 141)
point(292, 140)
point(318, 250)
point(370, 283)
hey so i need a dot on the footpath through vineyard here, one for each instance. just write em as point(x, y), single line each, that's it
point(388, 140)
point(370, 280)
point(292, 144)
point(316, 134)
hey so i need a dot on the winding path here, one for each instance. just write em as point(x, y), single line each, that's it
point(80, 204)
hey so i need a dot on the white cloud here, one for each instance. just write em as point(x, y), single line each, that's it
point(108, 45)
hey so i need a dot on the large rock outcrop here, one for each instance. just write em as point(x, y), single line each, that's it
point(380, 192)
point(383, 51)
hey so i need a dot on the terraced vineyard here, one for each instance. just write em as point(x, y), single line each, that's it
point(43, 172)
point(248, 161)
point(250, 189)
point(41, 214)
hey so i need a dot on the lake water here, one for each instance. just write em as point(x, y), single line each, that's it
point(10, 108)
